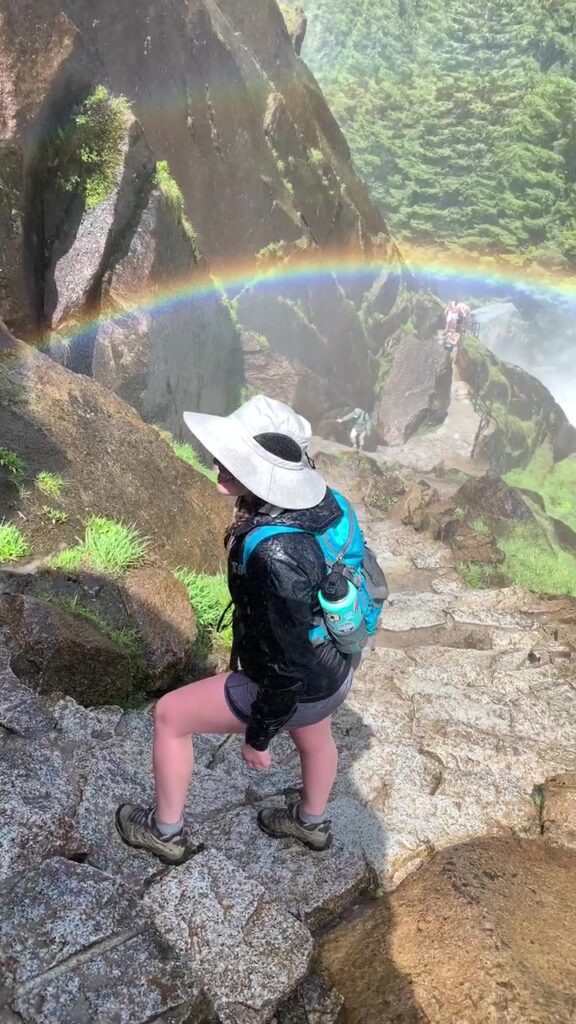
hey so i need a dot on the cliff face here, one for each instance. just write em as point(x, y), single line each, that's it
point(91, 217)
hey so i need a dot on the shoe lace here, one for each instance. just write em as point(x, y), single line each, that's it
point(141, 816)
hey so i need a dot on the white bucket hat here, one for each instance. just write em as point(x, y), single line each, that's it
point(231, 440)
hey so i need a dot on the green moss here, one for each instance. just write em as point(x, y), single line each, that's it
point(385, 363)
point(479, 526)
point(476, 574)
point(172, 193)
point(290, 16)
point(532, 562)
point(13, 544)
point(128, 639)
point(86, 153)
point(497, 383)
point(274, 252)
point(555, 482)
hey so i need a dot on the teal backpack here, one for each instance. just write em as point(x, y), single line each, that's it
point(343, 543)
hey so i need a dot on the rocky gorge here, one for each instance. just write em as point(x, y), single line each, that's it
point(182, 226)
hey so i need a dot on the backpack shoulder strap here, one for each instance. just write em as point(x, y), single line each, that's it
point(260, 533)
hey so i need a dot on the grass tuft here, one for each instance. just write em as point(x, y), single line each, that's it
point(50, 484)
point(12, 543)
point(209, 597)
point(67, 560)
point(12, 463)
point(113, 547)
point(56, 516)
point(188, 454)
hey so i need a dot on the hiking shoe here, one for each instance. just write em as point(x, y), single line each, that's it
point(137, 828)
point(284, 823)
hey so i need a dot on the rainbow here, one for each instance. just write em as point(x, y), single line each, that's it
point(467, 275)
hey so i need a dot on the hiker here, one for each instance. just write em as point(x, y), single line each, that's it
point(452, 315)
point(450, 341)
point(456, 314)
point(293, 675)
point(361, 429)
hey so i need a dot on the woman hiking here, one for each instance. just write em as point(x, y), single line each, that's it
point(287, 682)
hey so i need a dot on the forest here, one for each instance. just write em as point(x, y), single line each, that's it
point(461, 116)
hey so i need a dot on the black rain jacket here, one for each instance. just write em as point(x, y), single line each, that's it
point(275, 603)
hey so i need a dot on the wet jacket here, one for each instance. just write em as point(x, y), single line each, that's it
point(276, 600)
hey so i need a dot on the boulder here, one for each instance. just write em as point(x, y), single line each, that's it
point(54, 651)
point(488, 495)
point(416, 392)
point(71, 937)
point(484, 932)
point(22, 712)
point(110, 461)
point(80, 235)
point(160, 607)
point(417, 505)
point(39, 800)
point(202, 910)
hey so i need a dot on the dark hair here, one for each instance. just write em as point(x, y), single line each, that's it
point(281, 445)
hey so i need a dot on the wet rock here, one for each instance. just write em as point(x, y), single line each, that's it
point(83, 235)
point(246, 951)
point(22, 711)
point(460, 941)
point(52, 650)
point(489, 496)
point(67, 424)
point(416, 392)
point(558, 809)
point(314, 1002)
point(159, 605)
point(414, 611)
point(414, 507)
point(75, 945)
point(313, 886)
point(39, 801)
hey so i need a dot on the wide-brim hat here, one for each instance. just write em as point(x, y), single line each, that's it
point(231, 440)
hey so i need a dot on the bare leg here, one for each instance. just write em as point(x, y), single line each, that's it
point(198, 708)
point(319, 762)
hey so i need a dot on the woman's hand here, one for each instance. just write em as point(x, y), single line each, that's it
point(257, 759)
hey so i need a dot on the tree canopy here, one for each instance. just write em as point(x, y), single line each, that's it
point(461, 116)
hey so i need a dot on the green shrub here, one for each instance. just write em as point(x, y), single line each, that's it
point(170, 189)
point(12, 543)
point(533, 563)
point(112, 547)
point(209, 597)
point(50, 484)
point(86, 154)
point(12, 463)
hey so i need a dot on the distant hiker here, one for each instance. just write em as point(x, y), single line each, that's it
point(452, 314)
point(456, 314)
point(362, 427)
point(306, 592)
point(450, 341)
